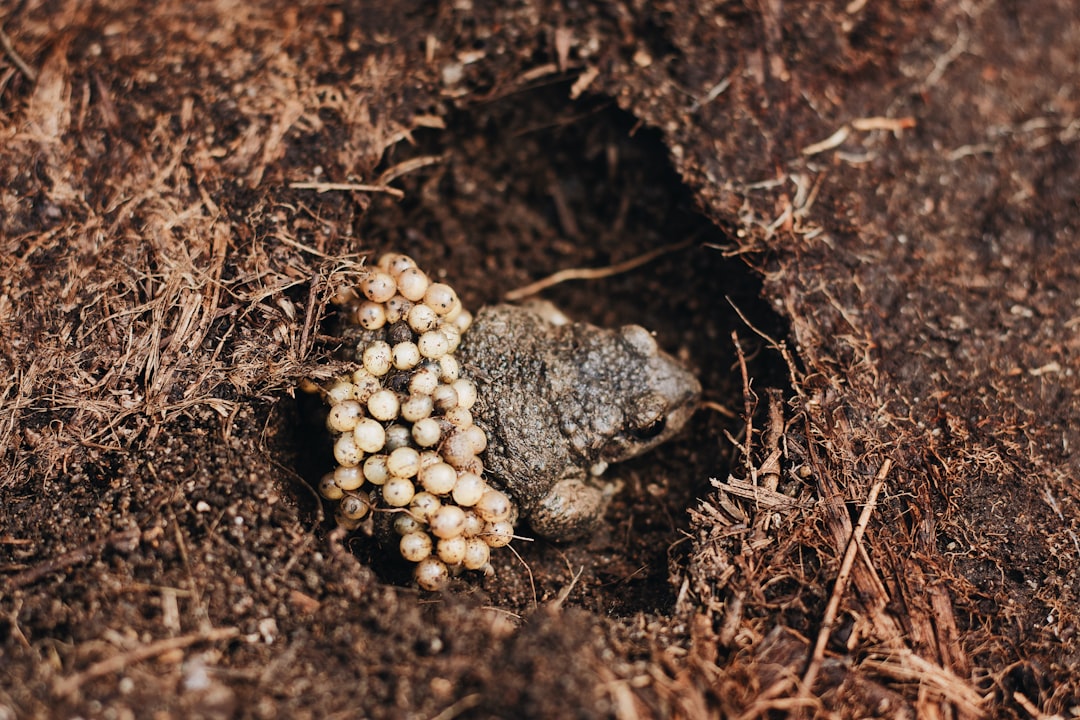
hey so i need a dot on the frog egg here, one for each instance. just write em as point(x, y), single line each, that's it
point(397, 309)
point(448, 521)
point(415, 546)
point(345, 522)
point(459, 417)
point(346, 452)
point(426, 432)
point(429, 458)
point(328, 488)
point(452, 550)
point(378, 286)
point(398, 491)
point(384, 405)
point(370, 315)
point(423, 505)
point(457, 448)
point(445, 397)
point(397, 436)
point(474, 524)
point(405, 524)
point(340, 391)
point(348, 478)
point(441, 297)
point(468, 489)
point(364, 384)
point(463, 320)
point(477, 553)
point(353, 507)
point(498, 534)
point(405, 355)
point(344, 415)
point(375, 470)
point(477, 438)
point(417, 407)
point(453, 337)
point(449, 368)
point(494, 506)
point(466, 392)
point(413, 283)
point(473, 465)
point(433, 344)
point(377, 358)
point(344, 296)
point(307, 385)
point(395, 263)
point(423, 382)
point(403, 463)
point(368, 435)
point(422, 318)
point(431, 574)
point(438, 479)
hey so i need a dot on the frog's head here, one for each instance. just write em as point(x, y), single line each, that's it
point(650, 396)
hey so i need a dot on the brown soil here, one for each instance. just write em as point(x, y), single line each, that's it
point(881, 206)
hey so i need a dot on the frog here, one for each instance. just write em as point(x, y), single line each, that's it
point(561, 400)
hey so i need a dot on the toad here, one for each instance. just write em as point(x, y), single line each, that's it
point(560, 400)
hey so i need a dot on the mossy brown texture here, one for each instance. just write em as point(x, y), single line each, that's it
point(887, 190)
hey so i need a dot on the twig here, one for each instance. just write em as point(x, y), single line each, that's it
point(594, 273)
point(557, 603)
point(16, 58)
point(749, 405)
point(840, 588)
point(466, 703)
point(351, 187)
point(407, 166)
point(120, 540)
point(532, 580)
point(116, 663)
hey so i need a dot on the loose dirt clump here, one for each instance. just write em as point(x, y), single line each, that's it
point(856, 223)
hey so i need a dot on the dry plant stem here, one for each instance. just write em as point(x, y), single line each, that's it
point(463, 705)
point(348, 187)
point(840, 588)
point(119, 662)
point(16, 58)
point(774, 431)
point(748, 408)
point(594, 273)
point(119, 540)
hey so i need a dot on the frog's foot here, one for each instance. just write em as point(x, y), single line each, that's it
point(571, 509)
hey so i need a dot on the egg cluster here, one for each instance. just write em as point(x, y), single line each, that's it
point(404, 440)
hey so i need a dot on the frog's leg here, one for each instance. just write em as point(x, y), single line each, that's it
point(572, 508)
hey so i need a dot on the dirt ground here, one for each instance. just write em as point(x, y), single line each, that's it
point(867, 213)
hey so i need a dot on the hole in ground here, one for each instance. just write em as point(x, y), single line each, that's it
point(531, 184)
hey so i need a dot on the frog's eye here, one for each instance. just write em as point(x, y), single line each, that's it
point(651, 430)
point(649, 417)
